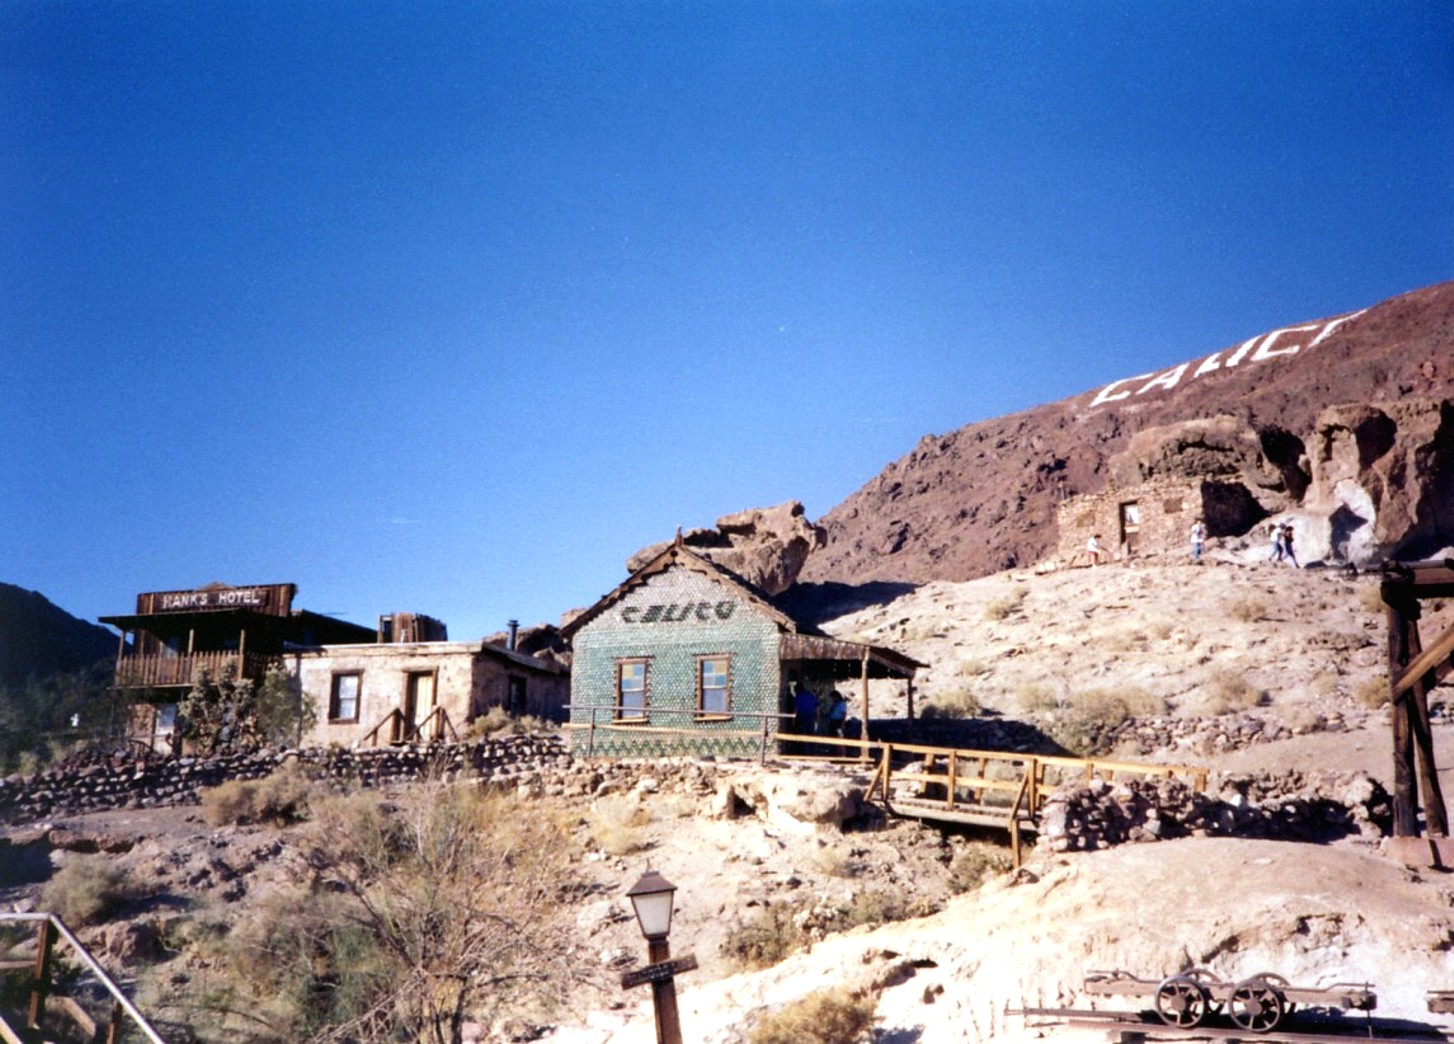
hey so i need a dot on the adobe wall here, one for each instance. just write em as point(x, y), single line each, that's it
point(546, 695)
point(384, 671)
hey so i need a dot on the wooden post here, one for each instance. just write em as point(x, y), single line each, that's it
point(40, 988)
point(909, 693)
point(1436, 816)
point(1400, 614)
point(864, 680)
point(953, 771)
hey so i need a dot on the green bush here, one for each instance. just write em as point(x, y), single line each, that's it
point(831, 1016)
point(85, 891)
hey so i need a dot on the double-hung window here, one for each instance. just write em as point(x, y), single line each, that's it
point(631, 690)
point(343, 699)
point(714, 685)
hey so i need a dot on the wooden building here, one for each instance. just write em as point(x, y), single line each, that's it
point(398, 682)
point(173, 634)
point(686, 658)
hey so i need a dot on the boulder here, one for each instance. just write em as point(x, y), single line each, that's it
point(1382, 480)
point(766, 547)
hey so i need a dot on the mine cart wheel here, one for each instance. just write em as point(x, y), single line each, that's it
point(1281, 985)
point(1256, 1005)
point(1181, 1001)
point(1208, 979)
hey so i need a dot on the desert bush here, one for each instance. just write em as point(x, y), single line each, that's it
point(279, 799)
point(772, 933)
point(831, 861)
point(1000, 608)
point(1229, 690)
point(1371, 692)
point(411, 919)
point(874, 907)
point(953, 704)
point(85, 891)
point(498, 720)
point(615, 822)
point(831, 1016)
point(1248, 609)
point(973, 668)
point(1113, 705)
point(1370, 599)
point(973, 864)
point(1036, 698)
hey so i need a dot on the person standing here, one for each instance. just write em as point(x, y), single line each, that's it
point(837, 713)
point(1198, 538)
point(1275, 555)
point(1093, 549)
point(1287, 551)
point(805, 710)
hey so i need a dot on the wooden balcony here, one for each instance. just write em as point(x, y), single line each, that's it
point(155, 672)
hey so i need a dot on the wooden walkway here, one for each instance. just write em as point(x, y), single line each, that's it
point(993, 789)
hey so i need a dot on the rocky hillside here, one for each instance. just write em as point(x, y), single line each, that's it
point(983, 498)
point(38, 639)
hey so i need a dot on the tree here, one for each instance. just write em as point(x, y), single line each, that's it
point(417, 918)
point(223, 711)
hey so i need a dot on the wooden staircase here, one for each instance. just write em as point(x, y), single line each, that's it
point(93, 1008)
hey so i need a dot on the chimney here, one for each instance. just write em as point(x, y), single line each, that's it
point(514, 626)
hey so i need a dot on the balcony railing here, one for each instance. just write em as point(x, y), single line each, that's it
point(141, 672)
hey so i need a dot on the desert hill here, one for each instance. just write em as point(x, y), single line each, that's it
point(39, 639)
point(983, 498)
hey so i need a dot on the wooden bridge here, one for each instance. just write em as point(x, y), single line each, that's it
point(994, 789)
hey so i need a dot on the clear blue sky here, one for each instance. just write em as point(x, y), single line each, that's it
point(448, 307)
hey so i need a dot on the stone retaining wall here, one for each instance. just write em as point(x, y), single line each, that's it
point(96, 781)
point(1286, 807)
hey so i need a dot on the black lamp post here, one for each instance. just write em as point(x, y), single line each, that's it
point(652, 897)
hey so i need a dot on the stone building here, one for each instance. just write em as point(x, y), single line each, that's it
point(397, 692)
point(686, 658)
point(1152, 517)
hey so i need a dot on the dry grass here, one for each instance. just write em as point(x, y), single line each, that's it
point(1248, 609)
point(1229, 690)
point(1371, 692)
point(278, 799)
point(616, 823)
point(1007, 605)
point(1036, 698)
point(954, 704)
point(975, 863)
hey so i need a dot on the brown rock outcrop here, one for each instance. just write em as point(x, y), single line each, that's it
point(765, 546)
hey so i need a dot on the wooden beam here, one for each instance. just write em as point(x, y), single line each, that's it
point(1434, 660)
point(1405, 799)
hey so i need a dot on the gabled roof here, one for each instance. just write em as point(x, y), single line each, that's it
point(801, 642)
point(677, 554)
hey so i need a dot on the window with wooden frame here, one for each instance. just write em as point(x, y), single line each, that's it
point(343, 697)
point(714, 685)
point(631, 689)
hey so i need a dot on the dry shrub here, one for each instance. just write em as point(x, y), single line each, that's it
point(953, 704)
point(616, 822)
point(85, 891)
point(1230, 691)
point(831, 1016)
point(1370, 599)
point(1011, 603)
point(1036, 698)
point(974, 864)
point(498, 720)
point(1114, 705)
point(1249, 609)
point(772, 933)
point(1371, 692)
point(973, 668)
point(278, 799)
